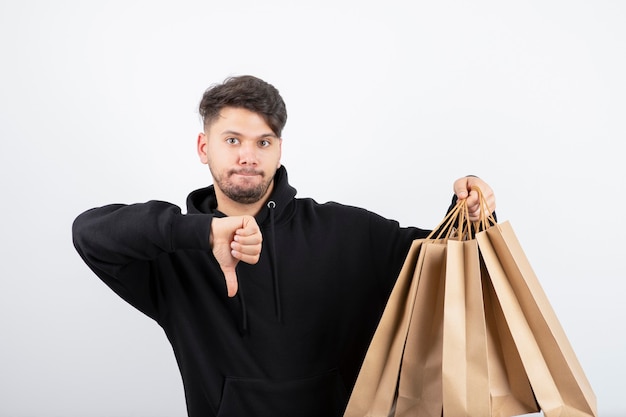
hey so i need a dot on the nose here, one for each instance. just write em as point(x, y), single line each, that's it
point(248, 154)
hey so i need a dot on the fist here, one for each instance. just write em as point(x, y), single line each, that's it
point(234, 239)
point(463, 190)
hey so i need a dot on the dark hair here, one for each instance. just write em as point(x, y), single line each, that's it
point(246, 92)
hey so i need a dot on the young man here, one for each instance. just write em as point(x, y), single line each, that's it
point(269, 301)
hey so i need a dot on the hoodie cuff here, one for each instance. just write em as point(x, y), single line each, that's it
point(192, 231)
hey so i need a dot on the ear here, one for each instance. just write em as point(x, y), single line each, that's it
point(202, 148)
point(280, 152)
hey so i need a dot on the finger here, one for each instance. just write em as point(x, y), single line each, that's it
point(487, 193)
point(246, 249)
point(488, 201)
point(247, 245)
point(248, 231)
point(248, 227)
point(474, 215)
point(253, 239)
point(249, 259)
point(247, 254)
point(488, 204)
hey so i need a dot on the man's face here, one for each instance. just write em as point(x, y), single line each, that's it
point(243, 154)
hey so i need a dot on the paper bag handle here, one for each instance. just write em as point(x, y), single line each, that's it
point(457, 225)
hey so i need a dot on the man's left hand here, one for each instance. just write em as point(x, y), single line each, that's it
point(463, 190)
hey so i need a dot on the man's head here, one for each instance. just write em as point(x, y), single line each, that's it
point(241, 144)
point(245, 92)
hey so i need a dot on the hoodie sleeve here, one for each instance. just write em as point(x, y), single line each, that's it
point(119, 242)
point(391, 244)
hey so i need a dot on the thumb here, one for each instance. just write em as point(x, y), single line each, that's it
point(232, 285)
point(461, 188)
point(462, 194)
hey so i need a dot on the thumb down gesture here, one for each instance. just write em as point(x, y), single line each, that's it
point(234, 239)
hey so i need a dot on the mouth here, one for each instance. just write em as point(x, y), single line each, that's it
point(247, 173)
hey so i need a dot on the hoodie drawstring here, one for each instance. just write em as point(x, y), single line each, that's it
point(244, 310)
point(242, 299)
point(272, 205)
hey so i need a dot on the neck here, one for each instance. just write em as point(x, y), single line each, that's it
point(232, 208)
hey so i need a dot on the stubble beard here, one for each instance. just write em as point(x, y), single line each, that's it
point(246, 193)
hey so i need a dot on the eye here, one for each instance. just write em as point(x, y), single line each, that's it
point(264, 143)
point(232, 141)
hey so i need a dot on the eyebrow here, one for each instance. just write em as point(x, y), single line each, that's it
point(264, 135)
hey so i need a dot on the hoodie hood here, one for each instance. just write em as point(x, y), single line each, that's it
point(204, 200)
point(275, 211)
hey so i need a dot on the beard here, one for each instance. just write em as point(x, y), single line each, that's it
point(247, 191)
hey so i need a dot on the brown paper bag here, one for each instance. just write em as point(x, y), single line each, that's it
point(419, 387)
point(441, 350)
point(401, 372)
point(465, 372)
point(555, 375)
point(482, 372)
point(510, 390)
point(375, 390)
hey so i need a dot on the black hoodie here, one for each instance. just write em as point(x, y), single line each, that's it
point(292, 341)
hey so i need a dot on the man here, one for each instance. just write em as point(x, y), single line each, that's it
point(269, 301)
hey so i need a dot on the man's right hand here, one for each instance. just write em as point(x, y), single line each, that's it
point(235, 239)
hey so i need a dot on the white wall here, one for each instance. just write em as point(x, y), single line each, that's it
point(388, 103)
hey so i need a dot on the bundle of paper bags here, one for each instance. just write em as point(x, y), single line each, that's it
point(469, 331)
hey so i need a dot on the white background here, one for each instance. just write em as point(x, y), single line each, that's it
point(389, 102)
